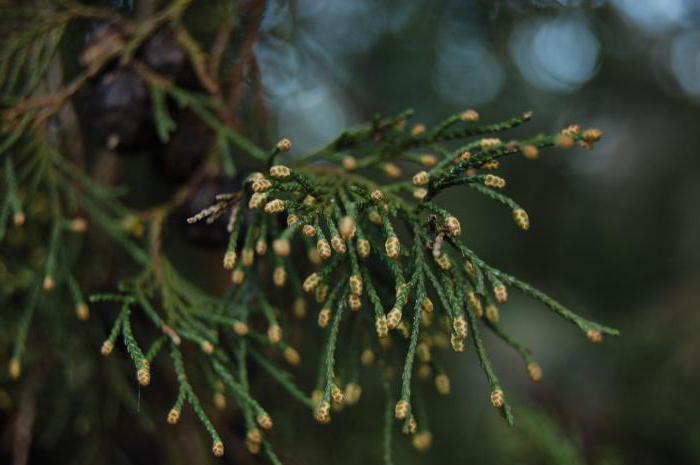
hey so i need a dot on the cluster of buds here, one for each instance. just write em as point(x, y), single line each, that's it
point(422, 440)
point(393, 318)
point(421, 178)
point(280, 172)
point(173, 416)
point(238, 276)
point(274, 206)
point(240, 328)
point(143, 374)
point(264, 421)
point(453, 227)
point(489, 143)
point(15, 368)
point(564, 140)
point(500, 292)
point(349, 163)
point(48, 284)
point(573, 130)
point(367, 357)
point(418, 130)
point(459, 326)
point(391, 170)
point(292, 356)
point(521, 219)
point(284, 145)
point(442, 384)
point(19, 218)
point(377, 196)
point(274, 333)
point(595, 336)
point(530, 151)
point(311, 282)
point(375, 217)
point(497, 398)
point(218, 449)
point(299, 307)
point(261, 185)
point(412, 425)
point(324, 317)
point(491, 180)
point(323, 412)
point(570, 134)
point(337, 396)
point(475, 303)
point(492, 314)
point(363, 248)
point(443, 261)
point(347, 228)
point(324, 248)
point(457, 343)
point(308, 230)
point(420, 193)
point(423, 352)
point(207, 347)
point(355, 302)
point(338, 245)
point(402, 409)
point(534, 371)
point(355, 283)
point(107, 347)
point(261, 244)
point(352, 393)
point(247, 257)
point(382, 326)
point(253, 439)
point(469, 116)
point(82, 311)
point(291, 221)
point(230, 259)
point(322, 292)
point(257, 200)
point(281, 247)
point(392, 247)
point(428, 160)
point(279, 276)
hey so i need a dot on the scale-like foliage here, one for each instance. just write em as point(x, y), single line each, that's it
point(356, 226)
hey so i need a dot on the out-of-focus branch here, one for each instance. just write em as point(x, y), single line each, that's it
point(253, 15)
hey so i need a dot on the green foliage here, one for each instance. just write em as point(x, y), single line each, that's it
point(392, 274)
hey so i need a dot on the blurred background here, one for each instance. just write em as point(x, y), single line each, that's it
point(614, 231)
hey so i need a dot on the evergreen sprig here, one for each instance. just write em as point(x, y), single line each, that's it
point(345, 225)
